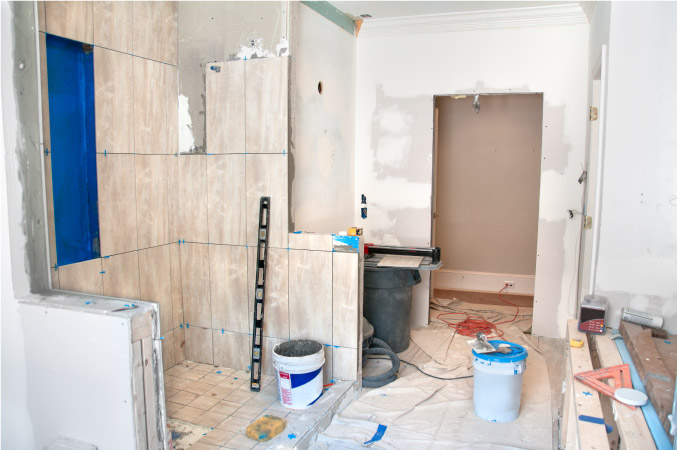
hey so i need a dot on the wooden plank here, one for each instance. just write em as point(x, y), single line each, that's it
point(266, 105)
point(173, 198)
point(345, 363)
point(155, 281)
point(117, 203)
point(311, 241)
point(227, 200)
point(276, 308)
point(139, 397)
point(176, 289)
point(193, 198)
point(152, 214)
point(267, 175)
point(114, 101)
point(113, 25)
point(651, 369)
point(150, 393)
point(232, 350)
point(588, 435)
point(199, 345)
point(82, 277)
point(228, 287)
point(195, 284)
point(310, 292)
point(121, 275)
point(155, 31)
point(225, 109)
point(345, 286)
point(633, 429)
point(150, 107)
point(72, 20)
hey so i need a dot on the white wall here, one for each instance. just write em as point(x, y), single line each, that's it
point(397, 77)
point(638, 237)
point(323, 125)
point(17, 427)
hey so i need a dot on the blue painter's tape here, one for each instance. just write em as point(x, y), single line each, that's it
point(380, 432)
point(353, 242)
point(596, 420)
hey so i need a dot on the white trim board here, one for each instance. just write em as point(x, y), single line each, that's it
point(570, 14)
point(482, 281)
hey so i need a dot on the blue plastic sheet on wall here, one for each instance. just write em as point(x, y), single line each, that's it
point(70, 72)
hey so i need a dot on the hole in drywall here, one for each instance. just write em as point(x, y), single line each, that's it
point(319, 87)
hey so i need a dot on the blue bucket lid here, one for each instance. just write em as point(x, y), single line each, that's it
point(518, 353)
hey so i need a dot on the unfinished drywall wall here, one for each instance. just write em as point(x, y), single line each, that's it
point(394, 136)
point(19, 139)
point(637, 251)
point(323, 123)
point(220, 31)
point(489, 170)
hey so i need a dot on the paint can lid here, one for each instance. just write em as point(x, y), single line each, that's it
point(631, 397)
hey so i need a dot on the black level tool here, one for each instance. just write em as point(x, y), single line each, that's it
point(260, 293)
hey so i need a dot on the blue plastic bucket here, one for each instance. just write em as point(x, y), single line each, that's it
point(498, 382)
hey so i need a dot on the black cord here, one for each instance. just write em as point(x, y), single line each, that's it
point(427, 374)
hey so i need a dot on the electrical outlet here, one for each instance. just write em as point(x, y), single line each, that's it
point(509, 283)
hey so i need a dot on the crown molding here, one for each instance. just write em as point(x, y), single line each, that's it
point(570, 14)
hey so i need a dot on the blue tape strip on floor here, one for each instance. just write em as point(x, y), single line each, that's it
point(380, 431)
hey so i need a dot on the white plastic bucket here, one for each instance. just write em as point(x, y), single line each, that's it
point(498, 383)
point(299, 372)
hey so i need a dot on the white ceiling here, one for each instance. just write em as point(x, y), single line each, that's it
point(393, 9)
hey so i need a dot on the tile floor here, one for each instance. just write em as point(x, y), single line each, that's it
point(219, 399)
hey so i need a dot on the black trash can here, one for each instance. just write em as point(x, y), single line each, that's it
point(387, 303)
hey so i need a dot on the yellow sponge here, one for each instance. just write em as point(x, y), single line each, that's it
point(265, 428)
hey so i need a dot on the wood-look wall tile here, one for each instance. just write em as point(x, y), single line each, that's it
point(232, 350)
point(151, 200)
point(41, 16)
point(113, 25)
point(156, 283)
point(72, 20)
point(117, 203)
point(310, 291)
point(269, 344)
point(114, 101)
point(227, 208)
point(150, 107)
point(83, 277)
point(155, 33)
point(173, 197)
point(199, 345)
point(266, 105)
point(193, 198)
point(344, 365)
point(345, 283)
point(228, 282)
point(172, 105)
point(195, 285)
point(179, 345)
point(311, 241)
point(121, 275)
point(276, 303)
point(225, 109)
point(267, 175)
point(177, 294)
point(168, 358)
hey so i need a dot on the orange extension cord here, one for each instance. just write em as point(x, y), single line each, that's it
point(473, 323)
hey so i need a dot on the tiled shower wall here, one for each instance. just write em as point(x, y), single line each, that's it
point(181, 230)
point(136, 91)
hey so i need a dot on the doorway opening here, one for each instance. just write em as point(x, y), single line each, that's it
point(487, 176)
